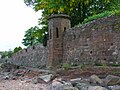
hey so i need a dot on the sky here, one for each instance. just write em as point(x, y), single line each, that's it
point(15, 19)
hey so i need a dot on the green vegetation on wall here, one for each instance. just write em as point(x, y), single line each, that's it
point(66, 66)
point(113, 8)
point(100, 15)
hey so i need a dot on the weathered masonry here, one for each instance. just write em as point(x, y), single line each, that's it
point(57, 25)
point(34, 56)
point(94, 43)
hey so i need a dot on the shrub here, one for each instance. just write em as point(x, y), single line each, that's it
point(66, 66)
point(117, 12)
point(98, 64)
point(81, 66)
point(116, 65)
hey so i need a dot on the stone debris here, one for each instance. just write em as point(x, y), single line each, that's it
point(94, 79)
point(14, 78)
point(96, 88)
point(46, 78)
point(112, 80)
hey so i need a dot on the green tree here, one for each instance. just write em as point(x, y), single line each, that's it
point(33, 36)
point(7, 54)
point(113, 5)
point(16, 49)
point(78, 10)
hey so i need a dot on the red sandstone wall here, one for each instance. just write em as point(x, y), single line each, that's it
point(95, 42)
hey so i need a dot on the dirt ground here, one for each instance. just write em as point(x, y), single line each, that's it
point(22, 85)
point(14, 78)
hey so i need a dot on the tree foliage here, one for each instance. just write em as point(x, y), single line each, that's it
point(33, 36)
point(17, 49)
point(9, 53)
point(114, 5)
point(78, 10)
point(6, 54)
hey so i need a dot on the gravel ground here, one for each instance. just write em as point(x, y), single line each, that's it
point(22, 85)
point(22, 78)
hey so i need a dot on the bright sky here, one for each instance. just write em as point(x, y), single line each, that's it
point(15, 19)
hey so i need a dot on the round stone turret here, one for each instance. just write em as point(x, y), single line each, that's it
point(57, 24)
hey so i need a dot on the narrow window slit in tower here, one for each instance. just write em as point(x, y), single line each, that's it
point(33, 47)
point(26, 50)
point(50, 34)
point(64, 29)
point(57, 33)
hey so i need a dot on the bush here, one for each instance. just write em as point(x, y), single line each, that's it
point(117, 12)
point(116, 65)
point(98, 64)
point(66, 66)
point(81, 66)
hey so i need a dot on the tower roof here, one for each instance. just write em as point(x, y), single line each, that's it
point(58, 16)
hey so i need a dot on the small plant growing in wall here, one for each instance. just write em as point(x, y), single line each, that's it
point(98, 64)
point(103, 62)
point(116, 65)
point(81, 66)
point(66, 66)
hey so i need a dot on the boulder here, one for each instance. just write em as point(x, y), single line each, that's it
point(47, 78)
point(94, 79)
point(37, 80)
point(96, 88)
point(66, 87)
point(59, 84)
point(56, 84)
point(116, 87)
point(112, 80)
point(70, 88)
point(82, 86)
point(19, 72)
point(6, 77)
point(75, 80)
point(44, 79)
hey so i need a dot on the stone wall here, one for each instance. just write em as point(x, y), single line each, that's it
point(2, 60)
point(95, 42)
point(35, 56)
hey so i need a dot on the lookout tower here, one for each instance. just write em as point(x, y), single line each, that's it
point(57, 24)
